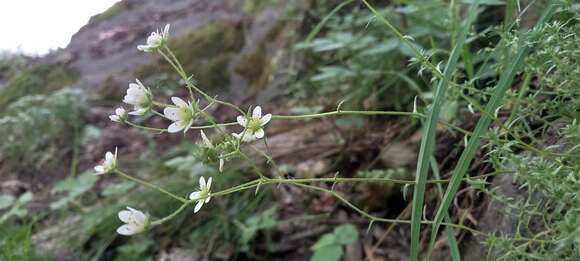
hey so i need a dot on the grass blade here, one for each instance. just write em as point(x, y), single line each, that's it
point(451, 241)
point(484, 122)
point(319, 26)
point(428, 139)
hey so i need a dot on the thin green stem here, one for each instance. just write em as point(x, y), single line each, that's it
point(150, 185)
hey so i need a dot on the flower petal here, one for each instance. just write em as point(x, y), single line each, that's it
point(124, 215)
point(100, 169)
point(208, 185)
point(126, 230)
point(179, 102)
point(259, 134)
point(221, 168)
point(139, 217)
point(171, 113)
point(266, 119)
point(175, 127)
point(194, 195)
point(202, 182)
point(109, 157)
point(207, 199)
point(241, 120)
point(257, 113)
point(198, 206)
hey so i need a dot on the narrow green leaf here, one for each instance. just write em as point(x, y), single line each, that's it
point(319, 26)
point(451, 241)
point(484, 122)
point(429, 133)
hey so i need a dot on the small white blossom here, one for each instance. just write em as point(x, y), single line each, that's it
point(108, 165)
point(139, 97)
point(209, 145)
point(135, 222)
point(253, 126)
point(182, 115)
point(155, 40)
point(203, 195)
point(119, 116)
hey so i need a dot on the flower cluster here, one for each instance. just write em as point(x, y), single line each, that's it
point(155, 40)
point(182, 114)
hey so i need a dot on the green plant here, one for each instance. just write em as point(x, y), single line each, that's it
point(37, 128)
point(15, 206)
point(251, 226)
point(16, 243)
point(329, 246)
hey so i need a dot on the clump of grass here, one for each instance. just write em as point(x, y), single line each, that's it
point(37, 128)
point(39, 79)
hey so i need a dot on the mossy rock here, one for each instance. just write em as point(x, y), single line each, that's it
point(253, 7)
point(204, 52)
point(256, 68)
point(40, 79)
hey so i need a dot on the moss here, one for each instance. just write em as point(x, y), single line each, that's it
point(253, 7)
point(40, 79)
point(256, 68)
point(113, 11)
point(205, 52)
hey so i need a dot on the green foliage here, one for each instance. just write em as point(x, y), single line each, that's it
point(37, 128)
point(250, 227)
point(10, 65)
point(136, 250)
point(73, 187)
point(329, 246)
point(544, 114)
point(354, 59)
point(16, 207)
point(16, 243)
point(37, 80)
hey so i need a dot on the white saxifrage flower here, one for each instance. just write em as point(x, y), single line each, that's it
point(254, 126)
point(212, 150)
point(155, 40)
point(203, 195)
point(119, 116)
point(138, 96)
point(107, 165)
point(182, 115)
point(135, 221)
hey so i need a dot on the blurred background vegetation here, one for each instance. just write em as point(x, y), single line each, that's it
point(294, 57)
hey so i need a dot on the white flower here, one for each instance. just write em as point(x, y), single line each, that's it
point(119, 116)
point(182, 115)
point(109, 164)
point(139, 97)
point(203, 195)
point(253, 126)
point(210, 146)
point(155, 40)
point(135, 222)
